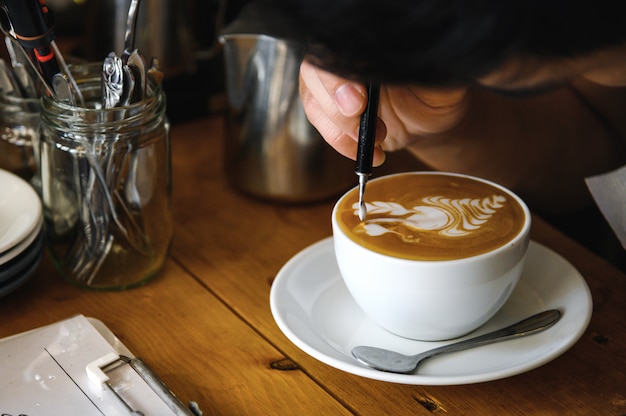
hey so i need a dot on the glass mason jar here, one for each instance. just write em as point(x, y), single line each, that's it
point(106, 186)
point(19, 124)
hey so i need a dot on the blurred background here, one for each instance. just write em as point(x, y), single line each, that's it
point(181, 33)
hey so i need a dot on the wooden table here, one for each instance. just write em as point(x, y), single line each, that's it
point(205, 325)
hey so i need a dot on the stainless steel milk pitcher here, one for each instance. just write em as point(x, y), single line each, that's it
point(271, 149)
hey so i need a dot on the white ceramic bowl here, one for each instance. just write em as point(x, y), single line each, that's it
point(431, 300)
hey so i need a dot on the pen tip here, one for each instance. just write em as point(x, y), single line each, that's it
point(362, 207)
point(362, 210)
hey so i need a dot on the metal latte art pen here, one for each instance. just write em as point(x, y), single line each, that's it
point(365, 149)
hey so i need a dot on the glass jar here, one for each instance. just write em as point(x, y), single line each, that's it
point(19, 124)
point(106, 186)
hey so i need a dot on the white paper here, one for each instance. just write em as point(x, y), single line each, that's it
point(609, 192)
point(42, 373)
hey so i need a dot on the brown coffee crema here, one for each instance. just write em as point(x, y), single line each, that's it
point(431, 217)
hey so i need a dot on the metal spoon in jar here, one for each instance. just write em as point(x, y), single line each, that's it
point(394, 362)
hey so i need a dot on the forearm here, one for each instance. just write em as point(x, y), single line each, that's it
point(541, 147)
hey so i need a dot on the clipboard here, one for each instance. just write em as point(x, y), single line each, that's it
point(79, 367)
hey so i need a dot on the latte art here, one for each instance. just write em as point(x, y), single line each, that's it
point(445, 216)
point(432, 216)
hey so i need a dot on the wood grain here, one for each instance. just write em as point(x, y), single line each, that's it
point(205, 325)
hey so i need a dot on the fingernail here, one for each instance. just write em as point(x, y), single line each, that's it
point(379, 157)
point(348, 99)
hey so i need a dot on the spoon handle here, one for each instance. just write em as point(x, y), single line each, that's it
point(131, 24)
point(385, 360)
point(528, 326)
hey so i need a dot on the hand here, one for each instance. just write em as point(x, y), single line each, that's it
point(334, 106)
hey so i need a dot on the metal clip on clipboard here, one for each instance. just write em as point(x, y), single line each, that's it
point(97, 374)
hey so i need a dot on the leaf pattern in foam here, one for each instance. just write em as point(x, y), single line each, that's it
point(449, 217)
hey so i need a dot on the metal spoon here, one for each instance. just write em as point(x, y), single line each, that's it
point(22, 70)
point(112, 81)
point(394, 362)
point(63, 89)
point(137, 65)
point(8, 84)
point(129, 35)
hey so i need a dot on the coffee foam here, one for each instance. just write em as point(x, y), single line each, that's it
point(432, 217)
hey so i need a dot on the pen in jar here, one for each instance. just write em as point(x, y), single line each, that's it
point(365, 149)
point(32, 24)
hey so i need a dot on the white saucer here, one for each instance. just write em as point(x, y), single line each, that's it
point(23, 245)
point(16, 266)
point(20, 210)
point(314, 309)
point(22, 277)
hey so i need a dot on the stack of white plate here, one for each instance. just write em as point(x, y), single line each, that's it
point(21, 232)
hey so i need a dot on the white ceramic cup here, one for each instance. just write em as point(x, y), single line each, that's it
point(431, 300)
